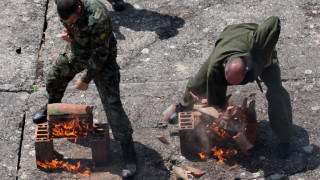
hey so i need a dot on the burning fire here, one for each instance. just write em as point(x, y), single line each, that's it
point(222, 155)
point(222, 133)
point(202, 156)
point(71, 129)
point(219, 153)
point(55, 164)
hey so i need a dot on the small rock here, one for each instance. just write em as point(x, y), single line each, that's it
point(205, 30)
point(23, 175)
point(230, 21)
point(277, 176)
point(308, 71)
point(145, 51)
point(315, 108)
point(137, 7)
point(255, 175)
point(308, 149)
point(146, 60)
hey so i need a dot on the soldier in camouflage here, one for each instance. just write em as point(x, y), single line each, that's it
point(91, 49)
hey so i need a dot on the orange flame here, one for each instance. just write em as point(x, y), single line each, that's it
point(222, 133)
point(222, 155)
point(70, 129)
point(55, 164)
point(202, 156)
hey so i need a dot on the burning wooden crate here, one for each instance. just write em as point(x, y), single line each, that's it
point(71, 121)
point(202, 129)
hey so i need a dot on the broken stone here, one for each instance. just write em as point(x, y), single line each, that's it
point(181, 173)
point(308, 71)
point(163, 139)
point(145, 51)
point(195, 171)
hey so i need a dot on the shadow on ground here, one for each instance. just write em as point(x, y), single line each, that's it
point(150, 163)
point(264, 157)
point(165, 26)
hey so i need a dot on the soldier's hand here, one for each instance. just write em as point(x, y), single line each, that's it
point(81, 85)
point(66, 35)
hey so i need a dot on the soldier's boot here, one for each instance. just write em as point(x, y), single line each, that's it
point(130, 159)
point(284, 150)
point(41, 115)
point(117, 5)
point(173, 119)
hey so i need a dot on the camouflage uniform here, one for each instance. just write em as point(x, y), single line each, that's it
point(94, 51)
point(257, 42)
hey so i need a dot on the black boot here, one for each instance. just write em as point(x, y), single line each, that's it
point(117, 5)
point(41, 115)
point(130, 159)
point(284, 150)
point(173, 119)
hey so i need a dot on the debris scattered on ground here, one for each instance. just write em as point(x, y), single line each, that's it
point(180, 173)
point(163, 139)
point(162, 125)
point(195, 171)
point(233, 167)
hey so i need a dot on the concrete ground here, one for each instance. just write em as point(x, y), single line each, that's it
point(161, 45)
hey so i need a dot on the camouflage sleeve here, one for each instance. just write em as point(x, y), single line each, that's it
point(101, 33)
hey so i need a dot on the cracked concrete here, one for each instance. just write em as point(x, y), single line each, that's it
point(161, 45)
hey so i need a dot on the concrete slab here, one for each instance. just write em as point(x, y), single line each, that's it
point(12, 116)
point(22, 24)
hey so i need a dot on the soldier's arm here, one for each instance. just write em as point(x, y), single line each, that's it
point(266, 37)
point(216, 87)
point(101, 33)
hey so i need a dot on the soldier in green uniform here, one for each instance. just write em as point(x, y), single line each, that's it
point(91, 49)
point(241, 54)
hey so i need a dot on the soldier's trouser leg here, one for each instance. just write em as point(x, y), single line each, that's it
point(279, 105)
point(62, 72)
point(197, 85)
point(107, 83)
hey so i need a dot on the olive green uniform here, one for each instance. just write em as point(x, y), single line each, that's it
point(93, 51)
point(257, 42)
